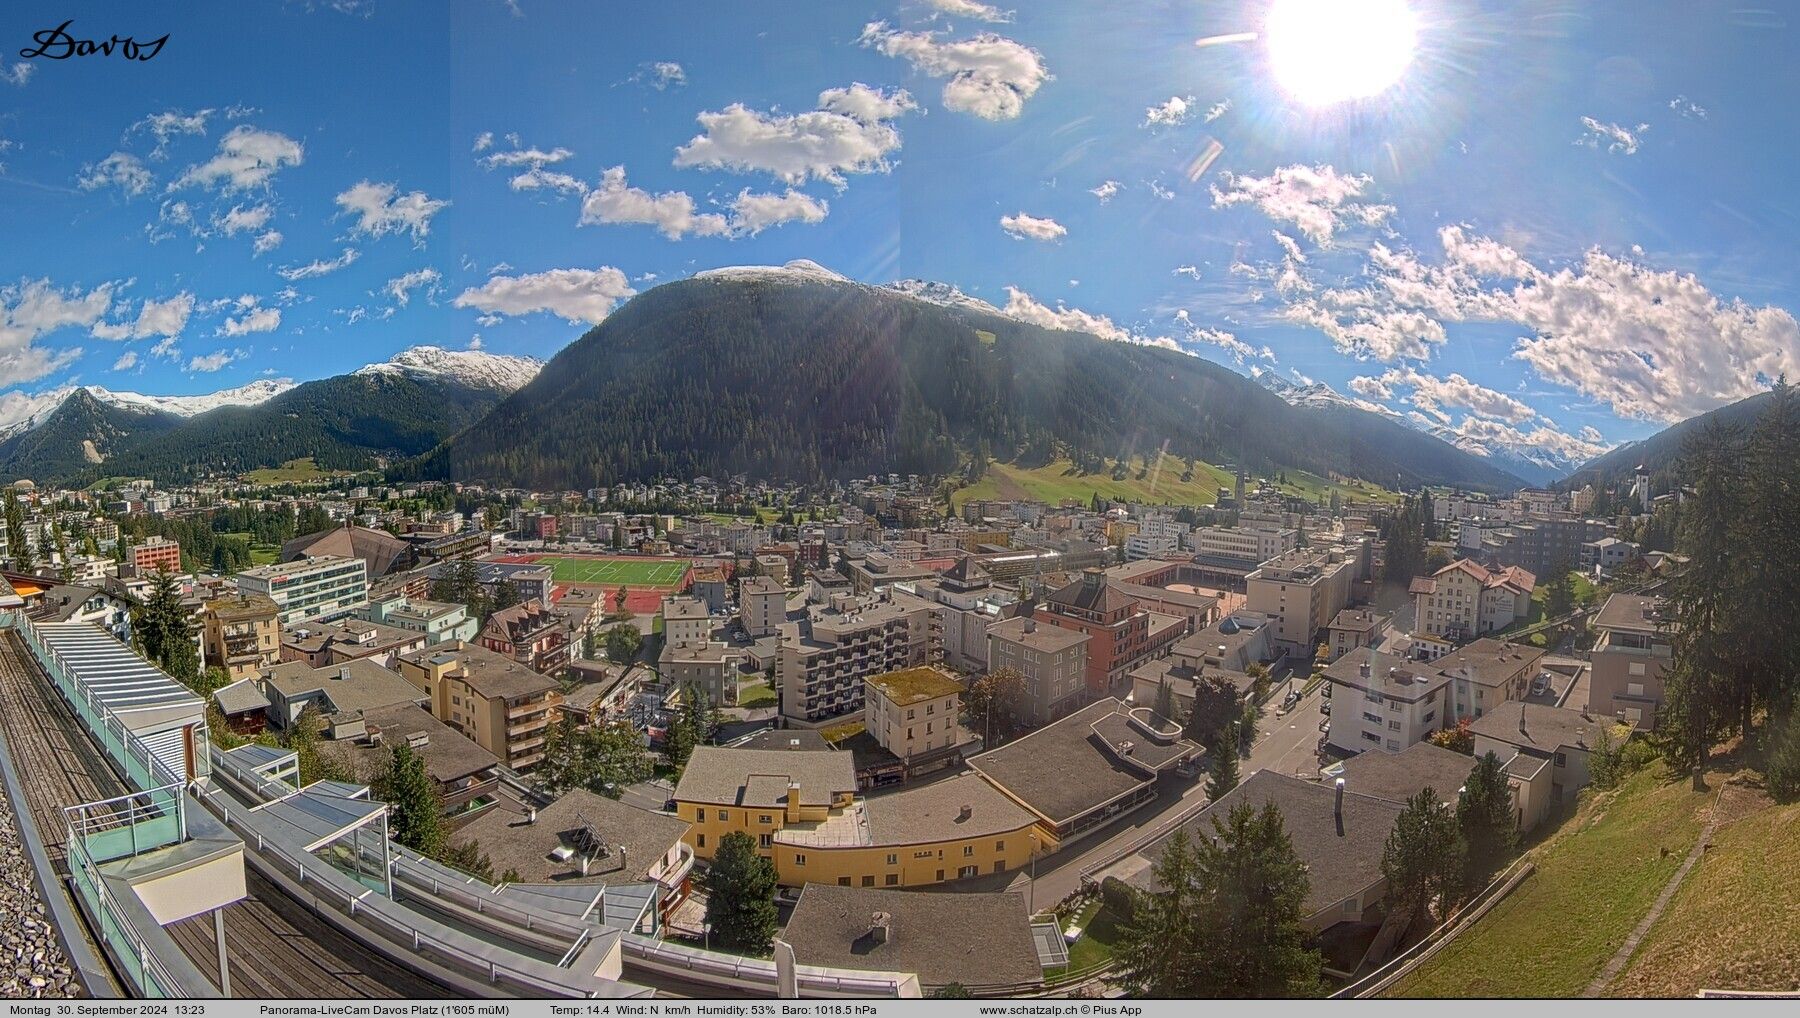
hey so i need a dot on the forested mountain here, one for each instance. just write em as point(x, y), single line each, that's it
point(80, 433)
point(800, 376)
point(1661, 451)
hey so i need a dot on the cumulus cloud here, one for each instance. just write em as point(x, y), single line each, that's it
point(483, 141)
point(526, 157)
point(753, 213)
point(1026, 308)
point(31, 309)
point(126, 361)
point(400, 288)
point(167, 125)
point(165, 318)
point(1545, 438)
point(672, 212)
point(1028, 227)
point(1454, 391)
point(849, 132)
point(1170, 113)
point(1318, 200)
point(211, 362)
point(248, 157)
point(989, 76)
point(973, 9)
point(667, 73)
point(1238, 350)
point(577, 295)
point(266, 241)
point(255, 319)
point(1613, 137)
point(121, 170)
point(380, 209)
point(241, 219)
point(320, 267)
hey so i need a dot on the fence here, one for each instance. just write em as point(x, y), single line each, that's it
point(1402, 964)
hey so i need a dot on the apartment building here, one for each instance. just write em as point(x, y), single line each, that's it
point(762, 605)
point(1052, 660)
point(1543, 542)
point(1379, 701)
point(1464, 600)
point(440, 621)
point(1245, 544)
point(686, 620)
point(825, 655)
point(154, 555)
point(314, 588)
point(1141, 546)
point(913, 714)
point(504, 706)
point(1302, 590)
point(964, 604)
point(1353, 628)
point(241, 633)
point(1121, 632)
point(710, 667)
point(533, 635)
point(1546, 751)
point(1631, 654)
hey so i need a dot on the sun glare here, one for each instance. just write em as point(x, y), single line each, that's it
point(1330, 51)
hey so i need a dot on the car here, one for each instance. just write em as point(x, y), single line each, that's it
point(1293, 698)
point(1325, 708)
point(1325, 726)
point(1541, 686)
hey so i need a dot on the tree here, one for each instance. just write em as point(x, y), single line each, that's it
point(1165, 699)
point(160, 626)
point(1559, 593)
point(951, 991)
point(603, 758)
point(693, 725)
point(1225, 766)
point(740, 896)
point(618, 600)
point(16, 545)
point(1227, 920)
point(1423, 857)
point(623, 642)
point(314, 761)
point(416, 808)
point(468, 857)
point(1216, 706)
point(995, 705)
point(1484, 816)
point(506, 594)
point(1783, 768)
point(1456, 740)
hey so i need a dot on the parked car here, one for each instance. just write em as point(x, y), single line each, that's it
point(1542, 685)
point(1325, 708)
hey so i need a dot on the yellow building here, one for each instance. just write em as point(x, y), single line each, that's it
point(801, 808)
point(241, 634)
point(505, 707)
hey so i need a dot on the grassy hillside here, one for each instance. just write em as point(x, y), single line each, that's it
point(1596, 879)
point(1061, 479)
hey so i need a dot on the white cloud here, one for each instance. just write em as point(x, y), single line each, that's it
point(241, 219)
point(1615, 137)
point(1432, 393)
point(126, 361)
point(577, 295)
point(1026, 308)
point(483, 141)
point(1190, 271)
point(1106, 190)
point(753, 213)
point(1170, 113)
point(258, 319)
point(1381, 335)
point(538, 178)
point(847, 133)
point(17, 74)
point(1239, 350)
point(1687, 107)
point(973, 9)
point(1316, 199)
point(1545, 438)
point(379, 210)
point(163, 318)
point(666, 73)
point(214, 361)
point(166, 347)
point(33, 308)
point(1217, 110)
point(168, 124)
point(320, 267)
point(401, 287)
point(475, 341)
point(671, 212)
point(248, 157)
point(265, 242)
point(527, 157)
point(1157, 190)
point(121, 169)
point(990, 76)
point(1028, 227)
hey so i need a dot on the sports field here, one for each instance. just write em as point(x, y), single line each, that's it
point(611, 572)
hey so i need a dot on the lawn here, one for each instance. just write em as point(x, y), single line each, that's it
point(755, 693)
point(260, 554)
point(297, 471)
point(1735, 923)
point(610, 572)
point(1099, 932)
point(1161, 484)
point(1596, 878)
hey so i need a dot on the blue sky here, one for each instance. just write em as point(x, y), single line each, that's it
point(1563, 226)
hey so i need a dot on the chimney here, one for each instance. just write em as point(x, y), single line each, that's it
point(531, 815)
point(1338, 809)
point(343, 672)
point(1030, 625)
point(1365, 669)
point(880, 927)
point(965, 813)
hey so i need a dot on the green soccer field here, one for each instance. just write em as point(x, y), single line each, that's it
point(613, 572)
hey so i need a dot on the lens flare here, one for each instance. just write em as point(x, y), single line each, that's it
point(1331, 51)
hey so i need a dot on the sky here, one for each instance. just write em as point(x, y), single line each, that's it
point(1549, 225)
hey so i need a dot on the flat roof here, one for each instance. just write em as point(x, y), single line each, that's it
point(911, 685)
point(140, 694)
point(1067, 769)
point(719, 775)
point(976, 939)
point(934, 812)
point(636, 839)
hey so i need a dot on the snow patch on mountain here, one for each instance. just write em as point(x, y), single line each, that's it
point(944, 294)
point(500, 372)
point(798, 269)
point(22, 411)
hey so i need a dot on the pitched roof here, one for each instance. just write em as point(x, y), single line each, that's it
point(1397, 777)
point(513, 843)
point(379, 548)
point(761, 777)
point(1084, 761)
point(1539, 727)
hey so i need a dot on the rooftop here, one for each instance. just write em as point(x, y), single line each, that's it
point(493, 676)
point(1040, 637)
point(912, 685)
point(1539, 727)
point(972, 939)
point(760, 777)
point(965, 806)
point(1399, 776)
point(1082, 762)
point(636, 839)
point(1631, 613)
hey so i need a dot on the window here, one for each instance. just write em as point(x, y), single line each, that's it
point(1393, 746)
point(868, 881)
point(1634, 689)
point(766, 840)
point(1393, 726)
point(763, 819)
point(967, 871)
point(940, 875)
point(1637, 668)
point(1562, 760)
point(892, 880)
point(968, 850)
point(724, 814)
point(999, 866)
point(999, 846)
point(1372, 737)
point(1429, 715)
point(1352, 907)
point(930, 709)
point(799, 858)
point(909, 713)
point(843, 881)
point(699, 841)
point(893, 860)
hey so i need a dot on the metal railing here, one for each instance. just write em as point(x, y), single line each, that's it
point(128, 825)
point(143, 970)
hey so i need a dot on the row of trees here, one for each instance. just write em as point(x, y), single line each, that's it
point(1736, 651)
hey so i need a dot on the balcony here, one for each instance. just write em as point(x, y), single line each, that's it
point(536, 724)
point(527, 709)
point(523, 747)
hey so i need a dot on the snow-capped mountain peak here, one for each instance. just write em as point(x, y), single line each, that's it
point(20, 411)
point(944, 294)
point(501, 372)
point(800, 269)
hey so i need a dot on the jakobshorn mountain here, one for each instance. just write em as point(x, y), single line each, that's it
point(364, 419)
point(804, 375)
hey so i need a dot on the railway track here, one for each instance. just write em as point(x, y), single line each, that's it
point(277, 947)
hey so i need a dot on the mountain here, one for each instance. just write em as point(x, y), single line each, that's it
point(366, 419)
point(1661, 452)
point(1531, 464)
point(22, 411)
point(794, 372)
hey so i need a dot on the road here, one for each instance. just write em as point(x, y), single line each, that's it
point(1285, 744)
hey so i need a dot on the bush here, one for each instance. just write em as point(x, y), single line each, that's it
point(1637, 755)
point(1119, 898)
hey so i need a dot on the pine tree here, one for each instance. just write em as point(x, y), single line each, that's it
point(160, 626)
point(740, 896)
point(16, 545)
point(1225, 766)
point(1423, 860)
point(1165, 699)
point(1484, 815)
point(416, 809)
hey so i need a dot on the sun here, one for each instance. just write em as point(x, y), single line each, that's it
point(1330, 51)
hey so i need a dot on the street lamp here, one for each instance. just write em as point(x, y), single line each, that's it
point(1031, 886)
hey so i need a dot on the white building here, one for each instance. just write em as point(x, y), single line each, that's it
point(323, 588)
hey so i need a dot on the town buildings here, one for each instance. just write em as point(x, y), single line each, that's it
point(504, 706)
point(827, 653)
point(318, 588)
point(241, 634)
point(531, 634)
point(1052, 661)
point(1630, 656)
point(1302, 590)
point(1464, 600)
